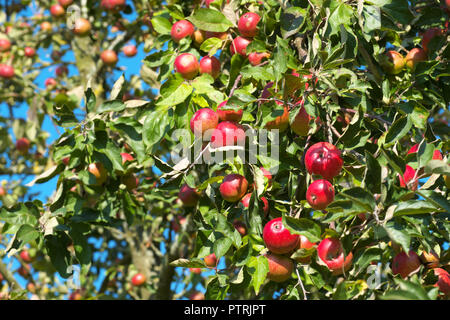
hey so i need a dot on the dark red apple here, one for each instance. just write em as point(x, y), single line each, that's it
point(233, 187)
point(406, 264)
point(188, 196)
point(25, 255)
point(248, 24)
point(331, 252)
point(240, 227)
point(187, 65)
point(22, 145)
point(430, 34)
point(324, 159)
point(113, 5)
point(320, 194)
point(278, 239)
point(61, 71)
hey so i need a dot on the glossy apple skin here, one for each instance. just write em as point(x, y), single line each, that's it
point(187, 65)
point(331, 252)
point(300, 125)
point(304, 243)
point(267, 174)
point(228, 133)
point(6, 71)
point(394, 63)
point(29, 52)
point(320, 194)
point(99, 172)
point(430, 34)
point(443, 282)
point(46, 26)
point(239, 45)
point(202, 120)
point(130, 50)
point(233, 187)
point(210, 65)
point(50, 82)
point(138, 280)
point(248, 24)
point(246, 202)
point(57, 10)
point(109, 57)
point(82, 27)
point(188, 196)
point(22, 145)
point(255, 58)
point(406, 264)
point(5, 45)
point(126, 157)
point(211, 260)
point(278, 239)
point(324, 159)
point(414, 56)
point(229, 115)
point(280, 267)
point(281, 122)
point(408, 175)
point(181, 29)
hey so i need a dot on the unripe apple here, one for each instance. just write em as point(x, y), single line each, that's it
point(181, 29)
point(255, 58)
point(430, 34)
point(82, 27)
point(280, 267)
point(227, 133)
point(408, 175)
point(246, 202)
point(202, 120)
point(138, 280)
point(22, 145)
point(414, 56)
point(210, 65)
point(233, 187)
point(239, 45)
point(197, 296)
point(65, 3)
point(57, 10)
point(229, 115)
point(109, 57)
point(248, 24)
point(278, 239)
point(240, 227)
point(393, 62)
point(304, 243)
point(6, 71)
point(281, 122)
point(430, 259)
point(130, 181)
point(211, 260)
point(188, 196)
point(300, 125)
point(46, 26)
point(187, 65)
point(25, 255)
point(29, 52)
point(99, 172)
point(331, 252)
point(443, 282)
point(130, 50)
point(406, 264)
point(320, 194)
point(5, 45)
point(324, 159)
point(113, 5)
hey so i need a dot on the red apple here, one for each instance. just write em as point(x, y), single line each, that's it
point(304, 243)
point(65, 3)
point(280, 267)
point(406, 264)
point(437, 155)
point(430, 34)
point(210, 65)
point(229, 115)
point(82, 27)
point(22, 145)
point(239, 45)
point(300, 125)
point(46, 26)
point(430, 259)
point(99, 172)
point(408, 175)
point(228, 133)
point(188, 196)
point(5, 45)
point(240, 227)
point(29, 52)
point(219, 35)
point(113, 5)
point(50, 82)
point(177, 222)
point(281, 122)
point(248, 24)
point(331, 252)
point(324, 159)
point(278, 239)
point(267, 174)
point(61, 71)
point(320, 194)
point(130, 50)
point(138, 280)
point(195, 270)
point(211, 260)
point(187, 65)
point(25, 255)
point(255, 58)
point(414, 56)
point(76, 295)
point(66, 161)
point(246, 202)
point(6, 71)
point(233, 187)
point(181, 29)
point(2, 192)
point(57, 10)
point(31, 287)
point(24, 270)
point(126, 157)
point(202, 120)
point(109, 57)
point(393, 62)
point(197, 296)
point(443, 282)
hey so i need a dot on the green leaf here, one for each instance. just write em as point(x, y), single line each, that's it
point(211, 45)
point(258, 267)
point(292, 20)
point(59, 255)
point(188, 263)
point(114, 105)
point(27, 233)
point(303, 226)
point(79, 233)
point(398, 130)
point(360, 196)
point(214, 290)
point(398, 234)
point(178, 96)
point(161, 25)
point(210, 20)
point(414, 207)
point(435, 198)
point(437, 166)
point(156, 124)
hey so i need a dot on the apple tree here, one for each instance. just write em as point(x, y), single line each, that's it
point(264, 149)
